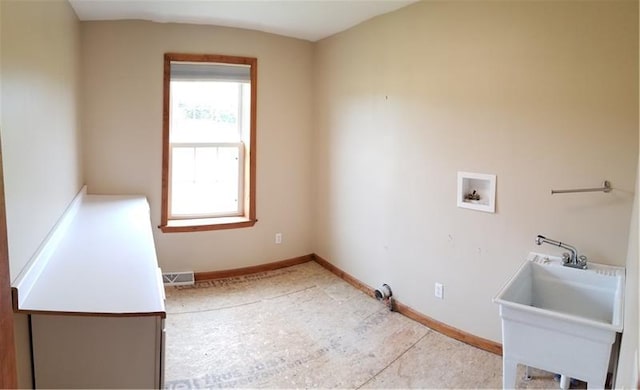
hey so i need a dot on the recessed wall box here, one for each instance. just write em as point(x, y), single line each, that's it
point(477, 191)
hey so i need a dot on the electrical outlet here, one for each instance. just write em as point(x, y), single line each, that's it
point(278, 238)
point(439, 291)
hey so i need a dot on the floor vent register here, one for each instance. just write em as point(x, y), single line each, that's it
point(178, 278)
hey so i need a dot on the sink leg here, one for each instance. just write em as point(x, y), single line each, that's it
point(509, 372)
point(565, 381)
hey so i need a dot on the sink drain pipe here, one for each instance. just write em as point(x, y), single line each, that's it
point(384, 294)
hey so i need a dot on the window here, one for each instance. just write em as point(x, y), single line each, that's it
point(209, 125)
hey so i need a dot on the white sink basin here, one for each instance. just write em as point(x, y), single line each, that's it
point(593, 296)
point(561, 319)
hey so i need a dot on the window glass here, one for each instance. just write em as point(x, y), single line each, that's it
point(207, 111)
point(205, 181)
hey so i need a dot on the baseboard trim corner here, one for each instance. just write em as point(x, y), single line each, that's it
point(440, 327)
point(447, 330)
point(370, 291)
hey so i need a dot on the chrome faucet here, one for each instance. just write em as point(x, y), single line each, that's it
point(568, 259)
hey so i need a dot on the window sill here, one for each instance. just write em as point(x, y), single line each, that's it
point(205, 224)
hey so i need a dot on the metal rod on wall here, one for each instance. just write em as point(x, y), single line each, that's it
point(606, 187)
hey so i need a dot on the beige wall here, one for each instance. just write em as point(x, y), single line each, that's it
point(122, 120)
point(40, 120)
point(542, 94)
point(40, 130)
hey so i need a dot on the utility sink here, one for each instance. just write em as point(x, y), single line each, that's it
point(561, 319)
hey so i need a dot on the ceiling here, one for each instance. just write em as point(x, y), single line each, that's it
point(311, 20)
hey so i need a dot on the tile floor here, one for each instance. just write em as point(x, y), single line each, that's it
point(303, 327)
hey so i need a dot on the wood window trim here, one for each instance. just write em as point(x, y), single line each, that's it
point(204, 224)
point(248, 219)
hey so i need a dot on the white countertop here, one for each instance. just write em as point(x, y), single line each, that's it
point(105, 263)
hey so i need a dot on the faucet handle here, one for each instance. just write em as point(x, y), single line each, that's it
point(582, 262)
point(566, 257)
